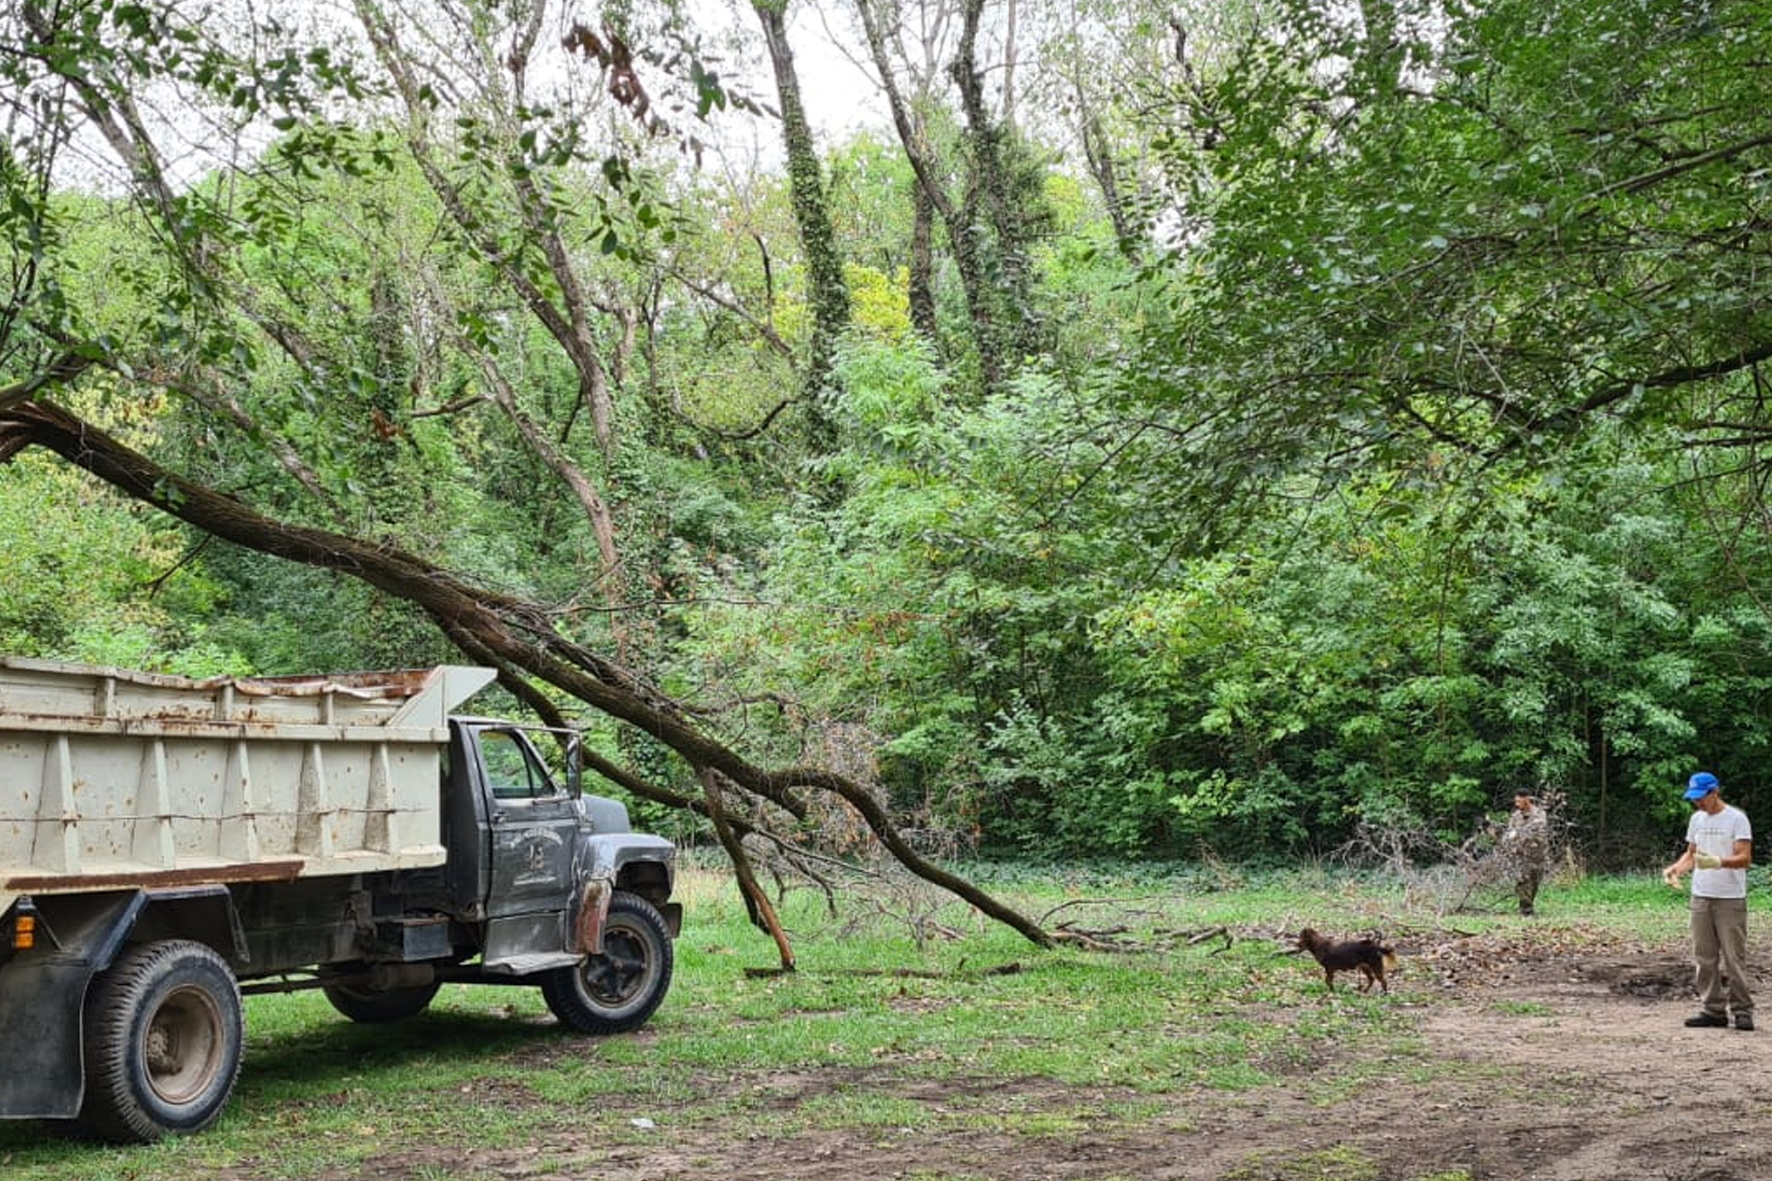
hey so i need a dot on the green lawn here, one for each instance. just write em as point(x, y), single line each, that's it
point(873, 1015)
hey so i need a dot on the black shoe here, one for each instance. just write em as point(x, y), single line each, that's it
point(1711, 1021)
point(1744, 1022)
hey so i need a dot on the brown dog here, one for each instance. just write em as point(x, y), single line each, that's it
point(1365, 956)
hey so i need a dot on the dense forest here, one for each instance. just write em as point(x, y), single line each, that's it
point(1162, 429)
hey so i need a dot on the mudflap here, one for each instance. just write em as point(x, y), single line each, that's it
point(40, 1026)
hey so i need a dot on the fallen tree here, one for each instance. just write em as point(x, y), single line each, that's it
point(511, 635)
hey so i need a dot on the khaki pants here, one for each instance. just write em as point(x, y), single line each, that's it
point(1719, 944)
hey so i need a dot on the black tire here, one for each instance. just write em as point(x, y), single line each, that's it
point(618, 990)
point(373, 1006)
point(164, 1036)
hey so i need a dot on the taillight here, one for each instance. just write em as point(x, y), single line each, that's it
point(24, 930)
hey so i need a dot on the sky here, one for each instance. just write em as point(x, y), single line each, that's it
point(841, 98)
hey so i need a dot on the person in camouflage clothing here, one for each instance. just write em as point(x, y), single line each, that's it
point(1526, 846)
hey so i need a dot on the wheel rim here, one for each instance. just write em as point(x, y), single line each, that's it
point(182, 1049)
point(619, 974)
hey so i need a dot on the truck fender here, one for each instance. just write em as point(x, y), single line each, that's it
point(203, 914)
point(606, 862)
point(93, 928)
point(593, 912)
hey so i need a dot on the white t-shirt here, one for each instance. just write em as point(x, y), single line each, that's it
point(1718, 834)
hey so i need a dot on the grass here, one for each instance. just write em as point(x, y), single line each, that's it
point(1330, 1164)
point(1030, 1043)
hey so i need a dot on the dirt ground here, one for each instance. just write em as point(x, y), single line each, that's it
point(1549, 1058)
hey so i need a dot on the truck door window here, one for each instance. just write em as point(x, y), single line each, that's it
point(511, 771)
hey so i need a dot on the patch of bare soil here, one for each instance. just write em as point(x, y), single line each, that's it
point(1548, 1054)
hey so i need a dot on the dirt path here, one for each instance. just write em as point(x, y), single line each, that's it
point(1595, 1076)
point(1538, 1062)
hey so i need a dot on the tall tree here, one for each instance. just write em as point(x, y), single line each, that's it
point(829, 293)
point(986, 195)
point(509, 180)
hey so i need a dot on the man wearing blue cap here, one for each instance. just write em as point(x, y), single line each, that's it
point(1719, 848)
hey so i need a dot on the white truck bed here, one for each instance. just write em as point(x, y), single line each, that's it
point(118, 779)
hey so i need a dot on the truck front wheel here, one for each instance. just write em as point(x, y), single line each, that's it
point(617, 990)
point(164, 1036)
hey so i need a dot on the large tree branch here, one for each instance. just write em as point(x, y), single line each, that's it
point(1648, 180)
point(513, 635)
point(1680, 375)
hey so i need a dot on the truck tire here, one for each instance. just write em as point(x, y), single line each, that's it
point(164, 1037)
point(617, 990)
point(373, 1006)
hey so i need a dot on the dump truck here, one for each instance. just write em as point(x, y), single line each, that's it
point(169, 845)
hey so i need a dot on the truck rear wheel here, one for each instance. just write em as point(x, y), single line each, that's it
point(617, 990)
point(164, 1036)
point(372, 1006)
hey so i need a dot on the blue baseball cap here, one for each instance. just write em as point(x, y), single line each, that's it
point(1701, 785)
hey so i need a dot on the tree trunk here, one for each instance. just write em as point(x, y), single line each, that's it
point(828, 291)
point(1100, 154)
point(922, 269)
point(963, 233)
point(992, 189)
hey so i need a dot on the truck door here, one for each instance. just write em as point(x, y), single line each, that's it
point(534, 822)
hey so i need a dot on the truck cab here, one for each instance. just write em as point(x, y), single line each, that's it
point(525, 838)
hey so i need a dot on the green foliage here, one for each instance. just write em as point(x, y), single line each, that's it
point(91, 578)
point(1474, 233)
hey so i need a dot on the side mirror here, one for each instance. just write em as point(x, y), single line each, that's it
point(574, 764)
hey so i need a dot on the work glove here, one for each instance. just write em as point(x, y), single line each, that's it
point(1706, 860)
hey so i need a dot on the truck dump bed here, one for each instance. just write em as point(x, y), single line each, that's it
point(122, 779)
